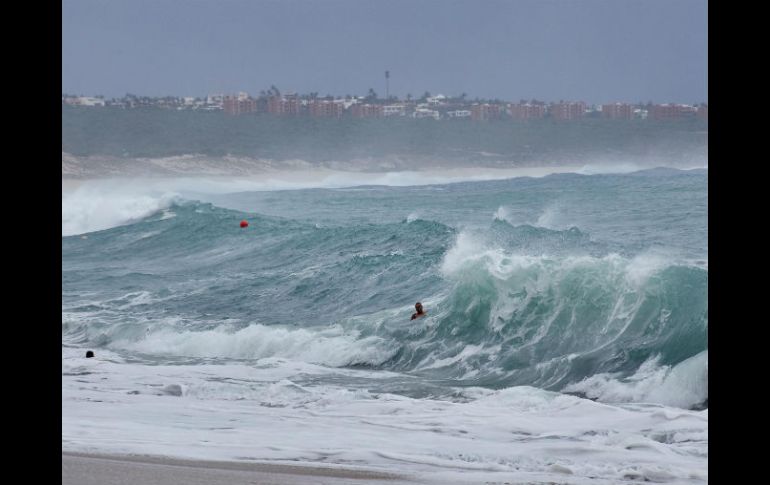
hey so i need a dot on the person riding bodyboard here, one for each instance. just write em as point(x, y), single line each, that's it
point(420, 312)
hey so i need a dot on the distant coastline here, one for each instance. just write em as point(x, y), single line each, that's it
point(111, 141)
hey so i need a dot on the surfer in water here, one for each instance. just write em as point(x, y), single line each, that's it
point(420, 311)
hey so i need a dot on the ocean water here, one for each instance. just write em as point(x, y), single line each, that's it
point(566, 335)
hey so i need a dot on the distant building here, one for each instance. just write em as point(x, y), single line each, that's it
point(284, 105)
point(459, 113)
point(394, 110)
point(483, 112)
point(274, 105)
point(236, 106)
point(324, 108)
point(436, 100)
point(526, 111)
point(115, 103)
point(348, 102)
point(359, 110)
point(215, 99)
point(618, 111)
point(567, 111)
point(671, 111)
point(83, 101)
point(425, 113)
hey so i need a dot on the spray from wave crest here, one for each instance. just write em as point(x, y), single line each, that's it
point(89, 209)
point(549, 218)
point(502, 214)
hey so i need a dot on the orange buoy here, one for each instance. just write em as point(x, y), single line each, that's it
point(244, 224)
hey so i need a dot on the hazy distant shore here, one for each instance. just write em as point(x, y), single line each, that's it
point(168, 142)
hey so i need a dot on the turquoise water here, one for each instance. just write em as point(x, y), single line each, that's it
point(549, 282)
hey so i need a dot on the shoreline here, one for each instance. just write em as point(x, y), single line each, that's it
point(80, 468)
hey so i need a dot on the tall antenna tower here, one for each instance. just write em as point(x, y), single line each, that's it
point(387, 85)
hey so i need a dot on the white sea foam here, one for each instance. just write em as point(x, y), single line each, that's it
point(272, 410)
point(91, 208)
point(167, 214)
point(683, 385)
point(331, 346)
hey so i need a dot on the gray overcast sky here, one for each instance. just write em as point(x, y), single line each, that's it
point(591, 50)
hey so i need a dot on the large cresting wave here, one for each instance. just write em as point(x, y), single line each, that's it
point(509, 305)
